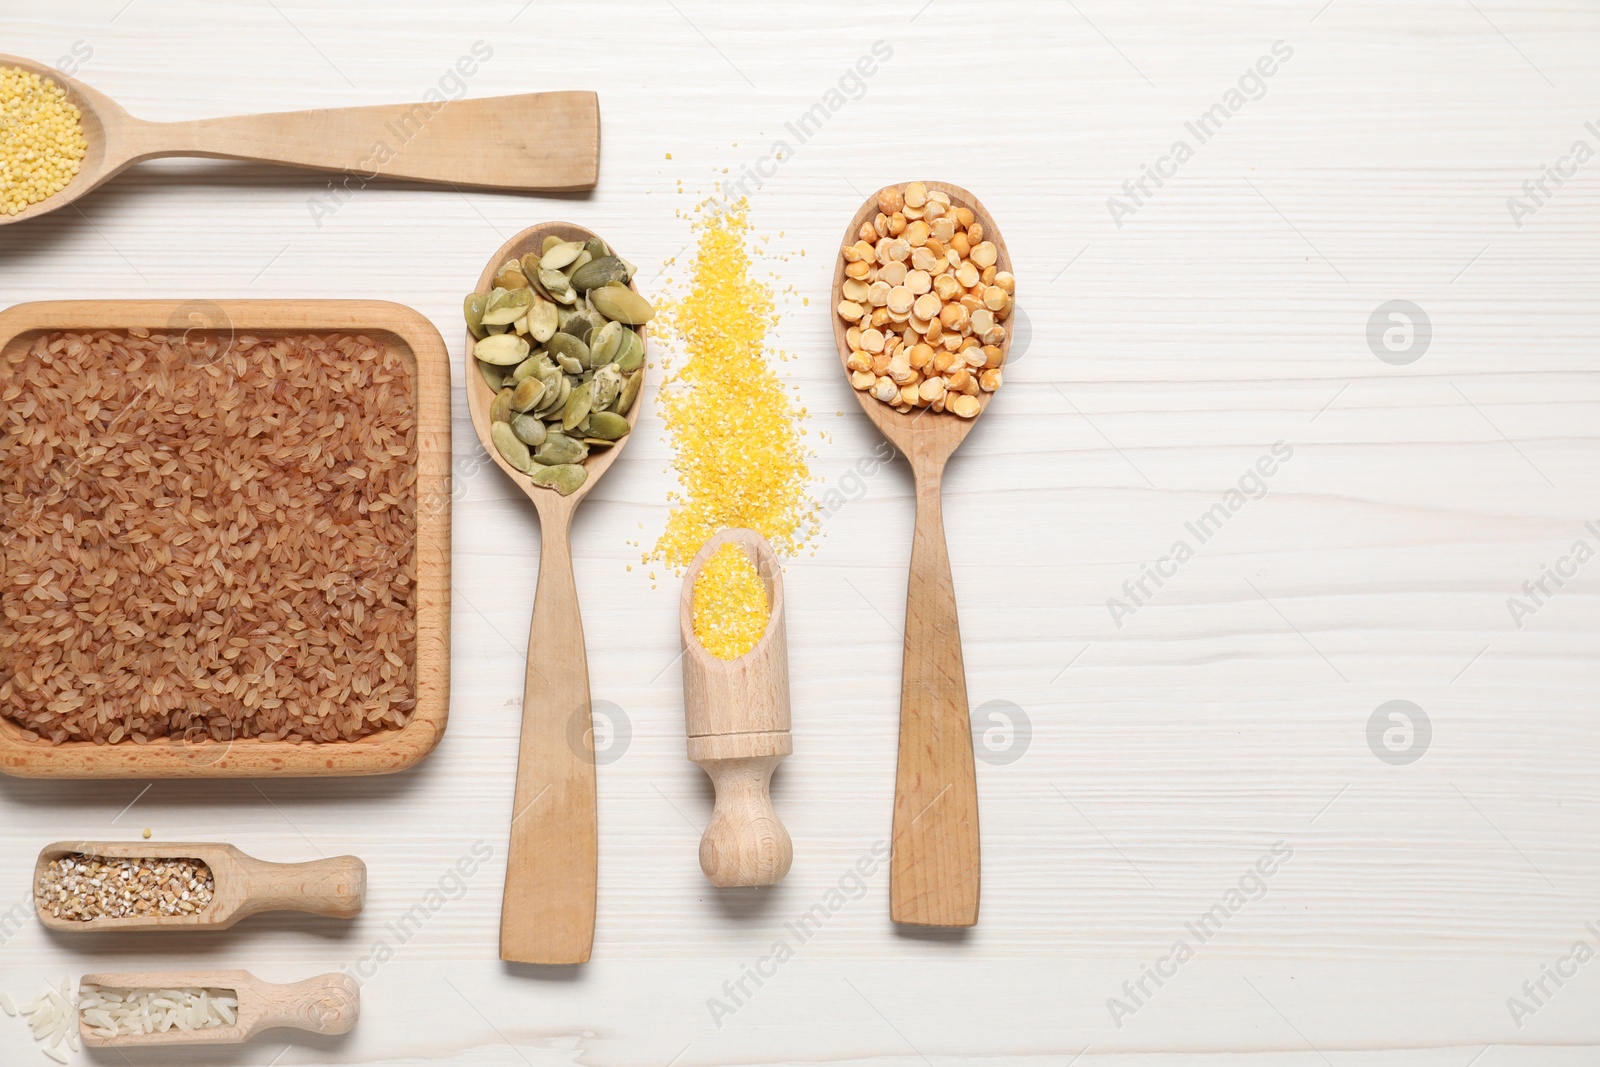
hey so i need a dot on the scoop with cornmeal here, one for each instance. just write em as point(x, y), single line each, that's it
point(730, 603)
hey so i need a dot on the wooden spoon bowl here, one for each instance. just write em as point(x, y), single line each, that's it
point(934, 864)
point(557, 148)
point(327, 1004)
point(241, 885)
point(547, 913)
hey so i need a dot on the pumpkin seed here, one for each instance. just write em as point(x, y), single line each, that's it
point(558, 448)
point(503, 349)
point(602, 270)
point(608, 425)
point(630, 355)
point(550, 241)
point(507, 306)
point(472, 307)
point(500, 407)
point(541, 319)
point(527, 395)
point(578, 405)
point(561, 254)
point(492, 375)
point(630, 391)
point(528, 368)
point(506, 443)
point(605, 386)
point(511, 276)
point(565, 478)
point(605, 343)
point(598, 442)
point(564, 344)
point(529, 429)
point(622, 304)
point(596, 247)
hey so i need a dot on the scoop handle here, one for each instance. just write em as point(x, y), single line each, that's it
point(745, 843)
point(326, 1004)
point(335, 887)
point(933, 866)
point(532, 141)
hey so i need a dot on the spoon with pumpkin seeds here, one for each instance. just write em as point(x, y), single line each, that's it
point(556, 329)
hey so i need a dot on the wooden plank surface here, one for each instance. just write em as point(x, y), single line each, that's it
point(1165, 757)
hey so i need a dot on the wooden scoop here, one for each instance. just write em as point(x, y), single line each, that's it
point(327, 1004)
point(737, 715)
point(534, 141)
point(933, 868)
point(242, 885)
point(547, 913)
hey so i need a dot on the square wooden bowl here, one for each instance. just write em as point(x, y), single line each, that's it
point(381, 753)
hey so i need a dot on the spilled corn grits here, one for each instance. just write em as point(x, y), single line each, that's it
point(734, 428)
point(730, 603)
point(41, 139)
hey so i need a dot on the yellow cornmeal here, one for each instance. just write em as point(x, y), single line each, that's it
point(730, 603)
point(734, 428)
point(41, 139)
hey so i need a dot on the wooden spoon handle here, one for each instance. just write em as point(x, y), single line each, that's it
point(335, 887)
point(547, 915)
point(327, 1004)
point(933, 869)
point(544, 141)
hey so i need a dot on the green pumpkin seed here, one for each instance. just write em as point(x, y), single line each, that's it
point(564, 478)
point(564, 344)
point(605, 386)
point(550, 241)
point(630, 391)
point(621, 304)
point(472, 308)
point(527, 395)
point(528, 368)
point(529, 430)
point(511, 276)
point(541, 320)
point(558, 448)
point(555, 399)
point(503, 350)
point(630, 355)
point(559, 255)
point(605, 343)
point(596, 247)
point(597, 442)
point(514, 451)
point(507, 306)
point(500, 407)
point(578, 405)
point(493, 377)
point(602, 270)
point(608, 425)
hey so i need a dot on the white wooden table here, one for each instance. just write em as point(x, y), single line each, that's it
point(1175, 740)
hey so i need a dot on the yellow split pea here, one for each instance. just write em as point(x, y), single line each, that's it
point(41, 139)
point(730, 603)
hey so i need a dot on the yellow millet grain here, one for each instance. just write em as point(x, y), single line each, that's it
point(735, 429)
point(41, 139)
point(730, 603)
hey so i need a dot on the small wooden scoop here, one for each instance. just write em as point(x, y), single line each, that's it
point(534, 141)
point(327, 1004)
point(737, 715)
point(243, 885)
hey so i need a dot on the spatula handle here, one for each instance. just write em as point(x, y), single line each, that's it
point(334, 887)
point(544, 141)
point(547, 915)
point(933, 869)
point(327, 1004)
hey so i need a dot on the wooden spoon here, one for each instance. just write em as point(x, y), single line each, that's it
point(736, 712)
point(533, 141)
point(241, 885)
point(547, 913)
point(934, 867)
point(327, 1004)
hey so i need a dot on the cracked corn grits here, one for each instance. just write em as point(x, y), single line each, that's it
point(735, 429)
point(730, 603)
point(41, 139)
